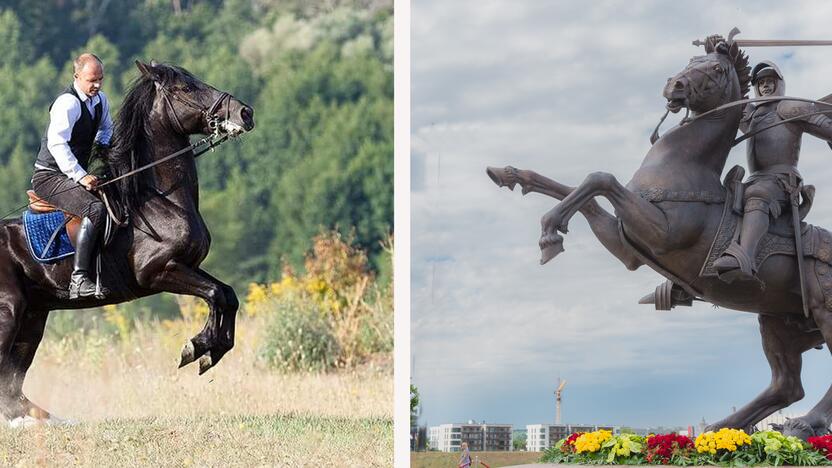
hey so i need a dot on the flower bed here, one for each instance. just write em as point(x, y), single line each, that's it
point(726, 447)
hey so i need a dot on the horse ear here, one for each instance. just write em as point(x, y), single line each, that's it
point(734, 51)
point(144, 69)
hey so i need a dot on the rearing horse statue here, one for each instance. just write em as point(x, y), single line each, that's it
point(161, 248)
point(676, 216)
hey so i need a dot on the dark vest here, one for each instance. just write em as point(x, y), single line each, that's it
point(82, 138)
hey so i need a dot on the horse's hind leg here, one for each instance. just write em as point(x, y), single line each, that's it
point(783, 345)
point(29, 336)
point(817, 421)
point(12, 306)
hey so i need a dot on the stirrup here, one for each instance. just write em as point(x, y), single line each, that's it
point(81, 287)
point(746, 271)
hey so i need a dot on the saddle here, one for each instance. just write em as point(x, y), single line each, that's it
point(779, 240)
point(50, 232)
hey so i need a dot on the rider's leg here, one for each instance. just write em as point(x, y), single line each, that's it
point(69, 196)
point(762, 202)
point(82, 283)
point(755, 223)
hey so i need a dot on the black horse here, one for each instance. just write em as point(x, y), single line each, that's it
point(160, 250)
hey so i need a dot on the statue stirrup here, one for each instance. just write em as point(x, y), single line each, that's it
point(745, 261)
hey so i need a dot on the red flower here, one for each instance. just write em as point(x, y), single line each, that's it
point(822, 444)
point(569, 445)
point(661, 447)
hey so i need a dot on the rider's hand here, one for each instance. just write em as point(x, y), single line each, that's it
point(89, 182)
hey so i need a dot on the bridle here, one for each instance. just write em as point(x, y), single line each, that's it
point(208, 113)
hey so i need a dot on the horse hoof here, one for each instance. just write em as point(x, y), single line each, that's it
point(497, 176)
point(205, 363)
point(188, 354)
point(550, 247)
point(25, 421)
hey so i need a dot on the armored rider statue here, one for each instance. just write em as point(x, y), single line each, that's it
point(78, 118)
point(773, 155)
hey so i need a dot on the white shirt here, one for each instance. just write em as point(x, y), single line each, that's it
point(66, 110)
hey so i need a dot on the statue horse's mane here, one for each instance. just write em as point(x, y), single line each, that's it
point(131, 145)
point(738, 58)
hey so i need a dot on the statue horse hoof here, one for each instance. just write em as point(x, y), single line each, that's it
point(550, 246)
point(506, 177)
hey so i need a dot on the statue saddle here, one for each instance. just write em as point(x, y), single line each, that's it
point(779, 240)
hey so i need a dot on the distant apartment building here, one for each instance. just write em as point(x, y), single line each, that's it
point(480, 437)
point(540, 437)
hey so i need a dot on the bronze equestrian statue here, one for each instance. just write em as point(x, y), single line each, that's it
point(161, 247)
point(677, 216)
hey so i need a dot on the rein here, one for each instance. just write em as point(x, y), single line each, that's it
point(655, 135)
point(210, 142)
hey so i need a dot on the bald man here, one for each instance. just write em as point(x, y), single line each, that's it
point(78, 118)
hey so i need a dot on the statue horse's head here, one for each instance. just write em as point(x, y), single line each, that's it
point(721, 76)
point(193, 107)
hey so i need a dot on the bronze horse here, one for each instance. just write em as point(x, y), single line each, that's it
point(668, 217)
point(161, 248)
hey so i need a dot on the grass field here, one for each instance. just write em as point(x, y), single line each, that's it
point(492, 459)
point(132, 406)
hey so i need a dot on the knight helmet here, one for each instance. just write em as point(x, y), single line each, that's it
point(764, 69)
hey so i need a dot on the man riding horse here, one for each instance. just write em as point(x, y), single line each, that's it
point(78, 118)
point(773, 155)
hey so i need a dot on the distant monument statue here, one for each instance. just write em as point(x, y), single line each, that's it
point(737, 244)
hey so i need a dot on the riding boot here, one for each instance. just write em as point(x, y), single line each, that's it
point(81, 285)
point(754, 226)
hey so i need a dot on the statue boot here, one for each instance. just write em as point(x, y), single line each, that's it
point(80, 284)
point(737, 263)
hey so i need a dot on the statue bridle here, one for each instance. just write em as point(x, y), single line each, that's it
point(209, 113)
point(696, 89)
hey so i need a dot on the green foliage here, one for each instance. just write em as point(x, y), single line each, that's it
point(299, 338)
point(518, 443)
point(414, 399)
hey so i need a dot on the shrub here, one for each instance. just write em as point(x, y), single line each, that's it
point(338, 294)
point(298, 338)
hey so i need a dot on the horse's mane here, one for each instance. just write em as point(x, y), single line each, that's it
point(131, 146)
point(743, 72)
point(738, 58)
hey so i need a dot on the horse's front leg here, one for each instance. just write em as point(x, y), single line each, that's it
point(217, 337)
point(629, 207)
point(603, 224)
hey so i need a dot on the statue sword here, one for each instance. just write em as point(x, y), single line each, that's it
point(767, 42)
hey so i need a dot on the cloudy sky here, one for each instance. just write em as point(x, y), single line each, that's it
point(568, 88)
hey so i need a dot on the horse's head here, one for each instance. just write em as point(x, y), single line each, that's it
point(710, 80)
point(193, 107)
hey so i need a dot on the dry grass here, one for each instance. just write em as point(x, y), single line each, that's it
point(136, 408)
point(492, 459)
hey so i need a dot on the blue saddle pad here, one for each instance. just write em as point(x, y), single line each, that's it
point(39, 228)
